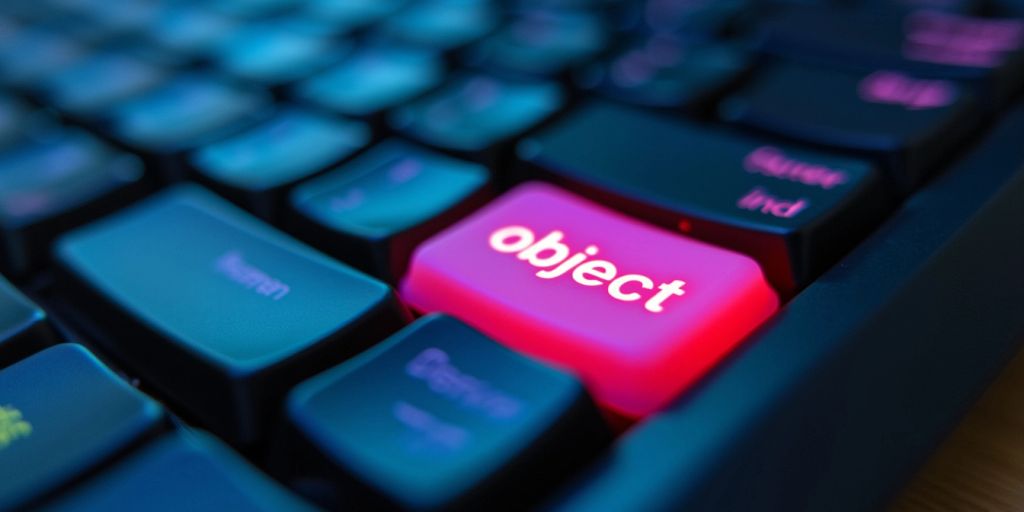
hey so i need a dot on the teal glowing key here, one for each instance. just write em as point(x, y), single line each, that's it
point(181, 471)
point(255, 166)
point(23, 327)
point(62, 413)
point(273, 54)
point(374, 210)
point(217, 309)
point(441, 417)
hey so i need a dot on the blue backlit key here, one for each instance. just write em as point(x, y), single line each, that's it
point(373, 80)
point(97, 82)
point(273, 54)
point(181, 471)
point(541, 43)
point(667, 71)
point(216, 308)
point(910, 123)
point(441, 24)
point(255, 166)
point(373, 211)
point(35, 54)
point(189, 29)
point(23, 327)
point(52, 182)
point(473, 113)
point(62, 413)
point(440, 416)
point(185, 112)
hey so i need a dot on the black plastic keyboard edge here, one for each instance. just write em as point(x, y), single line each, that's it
point(839, 399)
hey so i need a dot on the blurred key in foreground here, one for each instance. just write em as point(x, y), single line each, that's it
point(23, 325)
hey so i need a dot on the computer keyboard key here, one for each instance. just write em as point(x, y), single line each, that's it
point(796, 211)
point(474, 114)
point(99, 81)
point(34, 54)
point(640, 313)
point(666, 71)
point(441, 25)
point(181, 471)
point(256, 166)
point(541, 43)
point(189, 29)
point(53, 182)
point(215, 308)
point(373, 211)
point(274, 54)
point(985, 52)
point(461, 423)
point(63, 414)
point(910, 123)
point(373, 80)
point(186, 112)
point(23, 325)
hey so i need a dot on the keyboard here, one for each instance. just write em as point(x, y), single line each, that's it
point(479, 254)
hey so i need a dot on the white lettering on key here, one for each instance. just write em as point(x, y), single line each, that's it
point(232, 264)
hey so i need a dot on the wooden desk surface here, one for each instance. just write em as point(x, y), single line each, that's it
point(980, 467)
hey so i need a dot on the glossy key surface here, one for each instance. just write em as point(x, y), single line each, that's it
point(440, 24)
point(793, 209)
point(256, 164)
point(62, 414)
point(181, 471)
point(23, 328)
point(373, 79)
point(640, 313)
point(439, 416)
point(910, 123)
point(374, 210)
point(59, 179)
point(219, 310)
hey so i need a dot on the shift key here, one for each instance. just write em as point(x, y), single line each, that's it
point(220, 311)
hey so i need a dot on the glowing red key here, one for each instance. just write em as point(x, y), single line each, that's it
point(639, 313)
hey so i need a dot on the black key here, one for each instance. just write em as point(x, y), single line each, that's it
point(796, 211)
point(99, 81)
point(372, 212)
point(477, 114)
point(931, 44)
point(23, 326)
point(912, 124)
point(462, 422)
point(59, 180)
point(181, 471)
point(541, 43)
point(256, 167)
point(373, 80)
point(64, 413)
point(668, 72)
point(220, 311)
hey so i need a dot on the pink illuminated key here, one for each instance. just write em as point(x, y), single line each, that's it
point(639, 313)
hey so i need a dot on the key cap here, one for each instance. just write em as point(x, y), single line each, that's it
point(272, 55)
point(225, 314)
point(63, 414)
point(189, 29)
point(476, 114)
point(374, 210)
point(639, 313)
point(910, 123)
point(796, 211)
point(540, 43)
point(462, 422)
point(52, 183)
point(373, 80)
point(984, 52)
point(668, 72)
point(98, 82)
point(23, 325)
point(441, 25)
point(186, 112)
point(181, 471)
point(256, 167)
point(35, 54)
